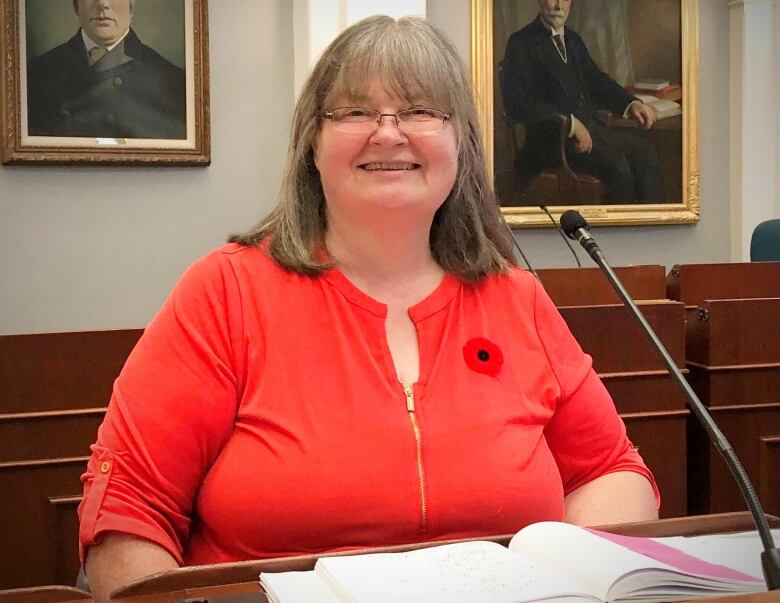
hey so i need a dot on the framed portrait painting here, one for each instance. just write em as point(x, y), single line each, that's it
point(105, 82)
point(591, 105)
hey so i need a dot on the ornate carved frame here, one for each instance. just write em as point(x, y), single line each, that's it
point(15, 149)
point(686, 211)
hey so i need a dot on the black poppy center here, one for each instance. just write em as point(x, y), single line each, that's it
point(483, 355)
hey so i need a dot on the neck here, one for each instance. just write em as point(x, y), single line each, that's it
point(552, 28)
point(387, 257)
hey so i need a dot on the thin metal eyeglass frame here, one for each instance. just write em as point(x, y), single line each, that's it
point(329, 115)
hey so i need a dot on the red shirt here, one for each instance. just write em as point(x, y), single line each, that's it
point(260, 416)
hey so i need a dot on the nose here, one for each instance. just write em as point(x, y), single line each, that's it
point(388, 130)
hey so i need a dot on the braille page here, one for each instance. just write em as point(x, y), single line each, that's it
point(467, 572)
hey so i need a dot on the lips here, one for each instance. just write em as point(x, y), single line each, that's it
point(388, 166)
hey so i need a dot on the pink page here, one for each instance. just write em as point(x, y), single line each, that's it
point(676, 558)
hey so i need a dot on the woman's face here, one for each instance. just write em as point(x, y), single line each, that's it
point(385, 170)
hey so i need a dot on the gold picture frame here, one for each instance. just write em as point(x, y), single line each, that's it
point(485, 81)
point(155, 89)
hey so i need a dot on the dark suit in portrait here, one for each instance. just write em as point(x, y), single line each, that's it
point(538, 85)
point(131, 92)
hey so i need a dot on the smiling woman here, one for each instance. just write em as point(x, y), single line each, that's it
point(365, 367)
point(408, 164)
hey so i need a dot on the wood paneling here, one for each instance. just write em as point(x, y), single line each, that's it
point(58, 371)
point(712, 488)
point(647, 398)
point(637, 392)
point(50, 434)
point(54, 388)
point(733, 353)
point(65, 536)
point(693, 283)
point(589, 286)
point(661, 440)
point(618, 345)
point(735, 332)
point(32, 522)
point(734, 385)
point(769, 474)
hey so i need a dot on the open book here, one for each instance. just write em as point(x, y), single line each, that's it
point(662, 107)
point(546, 561)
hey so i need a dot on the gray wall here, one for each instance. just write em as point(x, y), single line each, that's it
point(706, 241)
point(100, 248)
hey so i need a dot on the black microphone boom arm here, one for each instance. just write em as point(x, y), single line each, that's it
point(575, 227)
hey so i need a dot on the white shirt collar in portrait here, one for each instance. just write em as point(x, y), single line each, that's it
point(89, 43)
point(561, 36)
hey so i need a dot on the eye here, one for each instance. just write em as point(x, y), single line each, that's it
point(354, 114)
point(421, 113)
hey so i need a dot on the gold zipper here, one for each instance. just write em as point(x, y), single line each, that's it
point(418, 446)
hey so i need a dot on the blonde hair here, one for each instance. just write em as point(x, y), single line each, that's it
point(413, 60)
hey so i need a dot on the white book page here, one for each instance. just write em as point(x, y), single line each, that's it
point(585, 558)
point(297, 587)
point(467, 572)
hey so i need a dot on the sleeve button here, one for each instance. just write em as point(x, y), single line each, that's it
point(105, 466)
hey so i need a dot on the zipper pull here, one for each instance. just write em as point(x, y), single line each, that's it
point(409, 391)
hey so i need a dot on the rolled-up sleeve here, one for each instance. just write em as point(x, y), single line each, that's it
point(172, 409)
point(586, 435)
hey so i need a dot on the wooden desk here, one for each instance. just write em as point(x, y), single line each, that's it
point(733, 354)
point(239, 581)
point(45, 594)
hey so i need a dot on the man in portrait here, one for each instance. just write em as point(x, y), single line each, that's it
point(104, 82)
point(548, 73)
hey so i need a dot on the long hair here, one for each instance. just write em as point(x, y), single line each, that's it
point(413, 60)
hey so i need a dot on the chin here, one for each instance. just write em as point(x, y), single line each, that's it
point(399, 202)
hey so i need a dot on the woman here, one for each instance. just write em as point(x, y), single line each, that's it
point(366, 367)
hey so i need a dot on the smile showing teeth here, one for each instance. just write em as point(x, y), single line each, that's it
point(376, 166)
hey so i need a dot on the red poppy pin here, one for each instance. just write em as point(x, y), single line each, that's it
point(483, 356)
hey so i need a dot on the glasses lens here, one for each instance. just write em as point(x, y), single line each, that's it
point(355, 119)
point(420, 119)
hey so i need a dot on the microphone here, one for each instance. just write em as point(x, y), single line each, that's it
point(563, 235)
point(575, 227)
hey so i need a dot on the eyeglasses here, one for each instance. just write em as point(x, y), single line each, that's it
point(360, 120)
